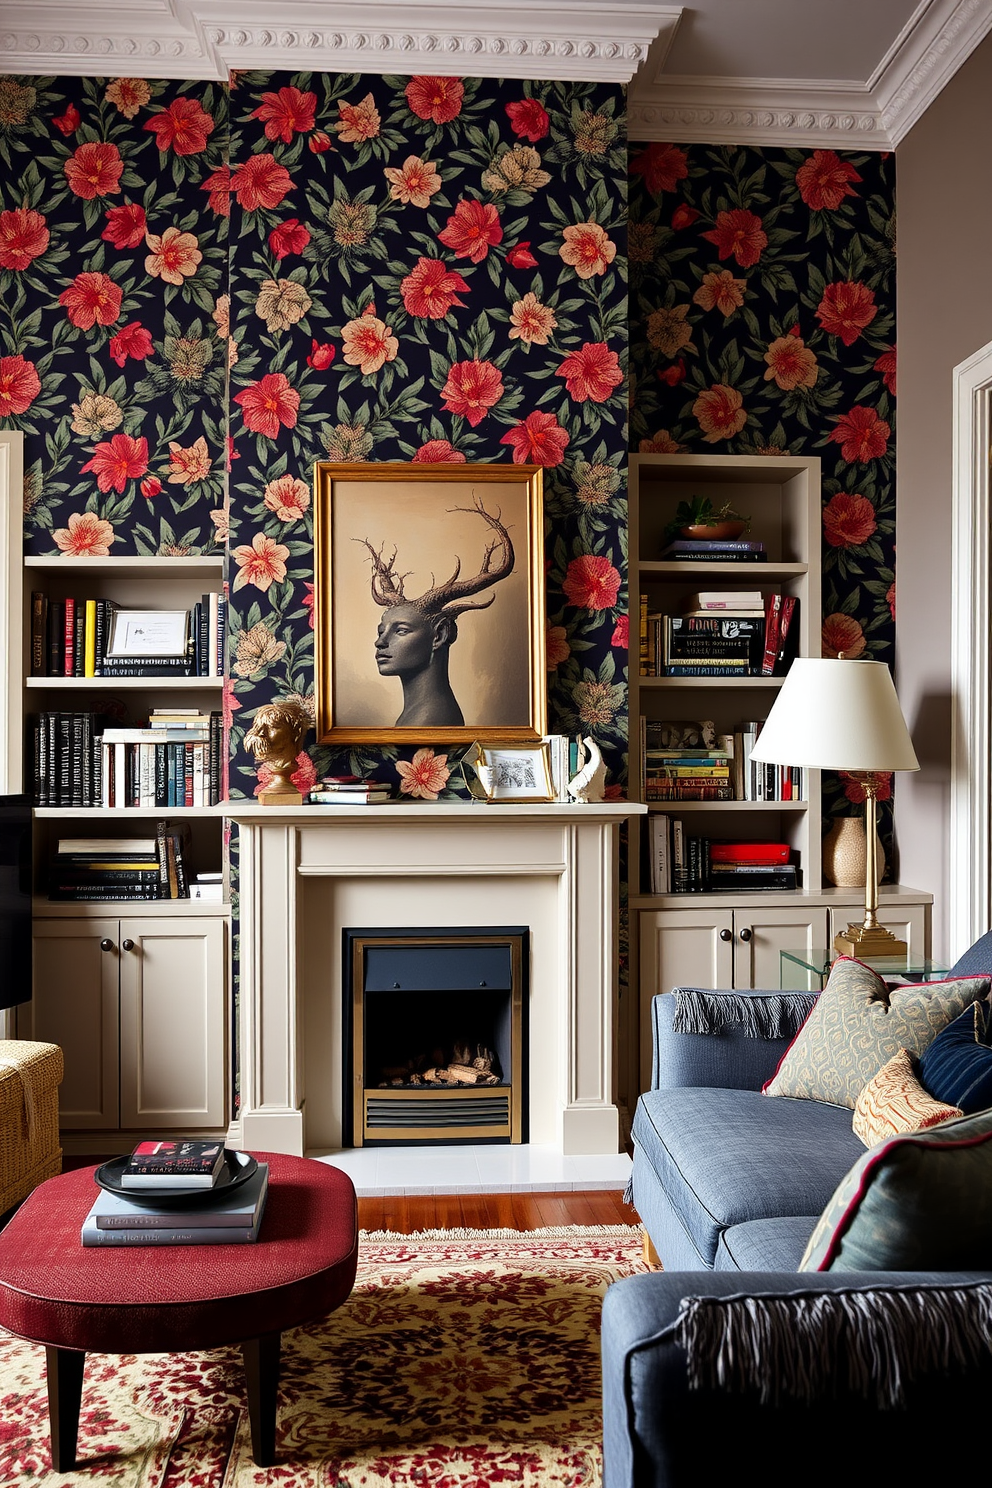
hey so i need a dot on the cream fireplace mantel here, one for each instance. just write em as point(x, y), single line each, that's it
point(308, 873)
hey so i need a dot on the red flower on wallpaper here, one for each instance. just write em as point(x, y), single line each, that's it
point(307, 603)
point(472, 230)
point(472, 388)
point(520, 256)
point(431, 288)
point(19, 385)
point(557, 648)
point(846, 309)
point(126, 226)
point(791, 363)
point(848, 521)
point(218, 184)
point(68, 122)
point(92, 299)
point(269, 404)
point(438, 452)
point(824, 180)
point(528, 119)
point(739, 235)
point(719, 412)
point(841, 636)
point(425, 776)
point(591, 582)
point(436, 98)
point(24, 236)
point(133, 340)
point(538, 439)
point(591, 373)
point(662, 166)
point(184, 127)
point(261, 182)
point(304, 777)
point(319, 142)
point(886, 364)
point(683, 216)
point(94, 169)
point(86, 536)
point(229, 702)
point(289, 237)
point(861, 434)
point(321, 355)
point(621, 633)
point(890, 598)
point(117, 461)
point(288, 112)
point(151, 486)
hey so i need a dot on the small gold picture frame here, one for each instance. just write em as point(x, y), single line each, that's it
point(511, 772)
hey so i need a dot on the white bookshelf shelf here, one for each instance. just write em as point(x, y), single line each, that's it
point(156, 684)
point(208, 566)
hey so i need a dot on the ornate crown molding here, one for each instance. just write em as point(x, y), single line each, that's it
point(936, 41)
point(197, 38)
point(756, 111)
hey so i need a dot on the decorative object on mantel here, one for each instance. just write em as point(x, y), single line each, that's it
point(275, 739)
point(510, 772)
point(589, 784)
point(845, 854)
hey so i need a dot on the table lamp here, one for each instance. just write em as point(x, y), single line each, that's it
point(844, 715)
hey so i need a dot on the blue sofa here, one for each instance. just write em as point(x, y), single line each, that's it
point(729, 1185)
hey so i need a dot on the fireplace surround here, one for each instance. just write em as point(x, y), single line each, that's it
point(309, 873)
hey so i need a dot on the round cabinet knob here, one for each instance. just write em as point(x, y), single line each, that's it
point(725, 935)
point(745, 936)
point(106, 945)
point(128, 945)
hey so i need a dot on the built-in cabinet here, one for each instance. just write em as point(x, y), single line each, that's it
point(138, 1005)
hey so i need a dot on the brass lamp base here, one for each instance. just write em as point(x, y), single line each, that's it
point(874, 940)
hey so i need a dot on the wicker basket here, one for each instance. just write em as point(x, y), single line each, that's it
point(30, 1075)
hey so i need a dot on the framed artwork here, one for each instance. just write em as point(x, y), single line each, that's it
point(429, 609)
point(515, 772)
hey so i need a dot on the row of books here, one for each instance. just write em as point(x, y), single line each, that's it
point(718, 768)
point(750, 641)
point(84, 759)
point(172, 1169)
point(121, 868)
point(685, 863)
point(91, 638)
point(736, 550)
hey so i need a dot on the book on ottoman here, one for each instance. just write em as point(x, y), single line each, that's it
point(236, 1219)
point(173, 1165)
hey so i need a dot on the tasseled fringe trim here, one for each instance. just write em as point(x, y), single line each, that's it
point(620, 1233)
point(754, 1017)
point(804, 1347)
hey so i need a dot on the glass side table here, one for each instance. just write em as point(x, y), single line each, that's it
point(807, 971)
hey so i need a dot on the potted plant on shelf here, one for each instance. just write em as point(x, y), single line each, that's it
point(699, 519)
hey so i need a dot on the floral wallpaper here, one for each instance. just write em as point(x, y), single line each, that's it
point(426, 269)
point(113, 278)
point(763, 322)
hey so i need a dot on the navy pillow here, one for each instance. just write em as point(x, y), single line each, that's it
point(957, 1066)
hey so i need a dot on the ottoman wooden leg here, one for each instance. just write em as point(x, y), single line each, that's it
point(261, 1356)
point(65, 1390)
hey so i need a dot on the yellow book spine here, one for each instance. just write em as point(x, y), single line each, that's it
point(89, 639)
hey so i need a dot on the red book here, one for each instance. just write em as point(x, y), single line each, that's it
point(773, 615)
point(786, 648)
point(69, 638)
point(749, 852)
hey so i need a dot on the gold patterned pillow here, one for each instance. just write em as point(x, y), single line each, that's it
point(895, 1101)
point(858, 1024)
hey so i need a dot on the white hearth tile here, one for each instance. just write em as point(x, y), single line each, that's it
point(399, 1171)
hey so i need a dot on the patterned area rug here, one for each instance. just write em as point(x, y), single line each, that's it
point(462, 1359)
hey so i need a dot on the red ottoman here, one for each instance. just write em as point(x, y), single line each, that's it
point(174, 1298)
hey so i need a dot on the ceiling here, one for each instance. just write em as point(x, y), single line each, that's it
point(853, 73)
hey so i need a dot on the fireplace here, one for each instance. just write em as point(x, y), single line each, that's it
point(435, 1036)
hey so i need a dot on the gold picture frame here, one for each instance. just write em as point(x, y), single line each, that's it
point(405, 653)
point(508, 771)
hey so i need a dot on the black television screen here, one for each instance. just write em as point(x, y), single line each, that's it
point(15, 900)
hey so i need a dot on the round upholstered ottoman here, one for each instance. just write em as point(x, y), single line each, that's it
point(171, 1299)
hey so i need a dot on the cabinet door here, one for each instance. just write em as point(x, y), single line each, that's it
point(680, 948)
point(173, 1001)
point(760, 934)
point(910, 922)
point(75, 1006)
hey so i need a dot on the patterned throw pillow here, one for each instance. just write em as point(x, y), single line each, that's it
point(895, 1101)
point(918, 1202)
point(858, 1024)
point(957, 1067)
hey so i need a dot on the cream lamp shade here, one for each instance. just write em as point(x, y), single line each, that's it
point(837, 715)
point(844, 715)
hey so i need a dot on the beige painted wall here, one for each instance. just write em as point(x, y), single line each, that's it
point(944, 314)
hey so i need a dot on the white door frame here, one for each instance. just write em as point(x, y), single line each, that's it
point(970, 876)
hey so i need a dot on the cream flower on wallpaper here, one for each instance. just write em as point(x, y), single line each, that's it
point(221, 315)
point(359, 121)
point(425, 776)
point(95, 413)
point(128, 95)
point(256, 649)
point(261, 563)
point(413, 183)
point(517, 169)
point(174, 255)
point(188, 465)
point(288, 497)
point(531, 321)
point(281, 303)
point(368, 344)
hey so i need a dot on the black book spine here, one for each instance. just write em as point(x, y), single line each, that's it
point(39, 617)
point(79, 639)
point(214, 776)
point(85, 759)
point(112, 668)
point(56, 638)
point(65, 760)
point(221, 632)
point(97, 765)
point(100, 638)
point(50, 744)
point(78, 894)
point(163, 860)
point(36, 759)
point(203, 637)
point(161, 776)
point(181, 869)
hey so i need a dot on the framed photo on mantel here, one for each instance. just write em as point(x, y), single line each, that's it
point(429, 609)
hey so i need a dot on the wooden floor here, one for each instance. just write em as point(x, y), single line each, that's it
point(511, 1211)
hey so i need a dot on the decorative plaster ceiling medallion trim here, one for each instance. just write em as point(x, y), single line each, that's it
point(756, 111)
point(110, 40)
point(934, 43)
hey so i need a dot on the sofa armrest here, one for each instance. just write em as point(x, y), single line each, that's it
point(733, 1058)
point(659, 1433)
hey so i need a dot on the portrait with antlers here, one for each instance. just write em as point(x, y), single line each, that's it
point(429, 603)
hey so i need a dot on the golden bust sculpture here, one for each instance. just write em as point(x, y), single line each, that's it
point(275, 739)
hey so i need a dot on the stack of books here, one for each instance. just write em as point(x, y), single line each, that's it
point(94, 868)
point(745, 866)
point(680, 863)
point(229, 1219)
point(66, 758)
point(764, 782)
point(349, 790)
point(737, 550)
point(69, 636)
point(208, 886)
point(747, 640)
point(175, 761)
point(689, 774)
point(75, 637)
